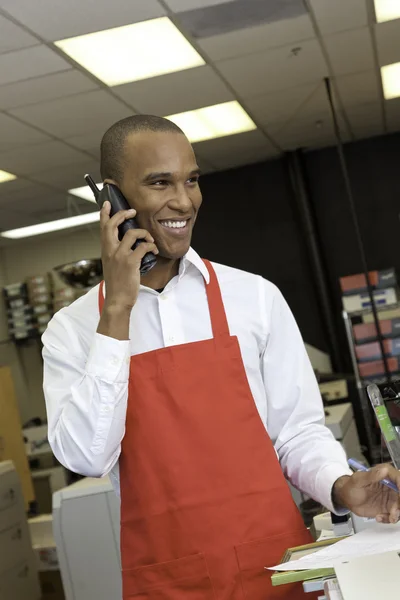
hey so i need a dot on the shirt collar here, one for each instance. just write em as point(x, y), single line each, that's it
point(192, 258)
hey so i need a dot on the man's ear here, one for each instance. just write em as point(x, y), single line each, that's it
point(112, 181)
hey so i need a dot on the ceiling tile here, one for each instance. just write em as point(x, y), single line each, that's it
point(236, 150)
point(184, 5)
point(388, 42)
point(31, 159)
point(305, 134)
point(14, 134)
point(358, 88)
point(35, 199)
point(279, 106)
point(392, 108)
point(57, 19)
point(68, 176)
point(366, 120)
point(75, 115)
point(177, 92)
point(44, 88)
point(256, 39)
point(89, 142)
point(11, 187)
point(275, 70)
point(339, 15)
point(28, 63)
point(350, 51)
point(10, 219)
point(13, 37)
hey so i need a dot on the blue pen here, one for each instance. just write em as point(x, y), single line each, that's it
point(354, 464)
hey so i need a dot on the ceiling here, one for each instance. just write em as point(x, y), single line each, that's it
point(273, 59)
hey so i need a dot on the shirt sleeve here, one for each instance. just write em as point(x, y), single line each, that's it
point(86, 395)
point(310, 456)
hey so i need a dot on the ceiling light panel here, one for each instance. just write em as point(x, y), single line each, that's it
point(5, 176)
point(214, 121)
point(133, 52)
point(31, 230)
point(85, 192)
point(391, 81)
point(387, 10)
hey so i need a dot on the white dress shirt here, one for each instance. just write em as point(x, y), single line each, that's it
point(86, 374)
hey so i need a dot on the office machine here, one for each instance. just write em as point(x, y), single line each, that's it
point(86, 521)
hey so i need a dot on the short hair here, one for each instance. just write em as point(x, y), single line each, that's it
point(113, 142)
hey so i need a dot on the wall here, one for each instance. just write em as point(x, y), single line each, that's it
point(21, 260)
point(374, 170)
point(248, 221)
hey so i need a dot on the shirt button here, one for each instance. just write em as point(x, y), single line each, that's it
point(114, 360)
point(164, 297)
point(171, 339)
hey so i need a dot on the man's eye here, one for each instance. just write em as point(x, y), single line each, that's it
point(159, 183)
point(193, 180)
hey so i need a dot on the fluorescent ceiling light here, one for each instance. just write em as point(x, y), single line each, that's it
point(4, 176)
point(214, 121)
point(133, 52)
point(387, 10)
point(85, 192)
point(25, 232)
point(391, 81)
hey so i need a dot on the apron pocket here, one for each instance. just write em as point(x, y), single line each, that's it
point(253, 557)
point(184, 578)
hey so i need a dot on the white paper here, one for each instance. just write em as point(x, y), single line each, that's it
point(377, 539)
point(370, 577)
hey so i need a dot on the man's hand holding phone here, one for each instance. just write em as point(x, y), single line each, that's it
point(121, 267)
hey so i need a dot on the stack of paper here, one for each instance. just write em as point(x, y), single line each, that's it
point(377, 539)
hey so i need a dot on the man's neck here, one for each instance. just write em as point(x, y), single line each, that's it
point(161, 274)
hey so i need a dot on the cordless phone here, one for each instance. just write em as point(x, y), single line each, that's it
point(118, 202)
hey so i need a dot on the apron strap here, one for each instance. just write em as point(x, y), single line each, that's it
point(219, 322)
point(216, 307)
point(101, 297)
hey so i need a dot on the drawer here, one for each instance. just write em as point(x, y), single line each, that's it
point(15, 545)
point(14, 514)
point(20, 583)
point(9, 491)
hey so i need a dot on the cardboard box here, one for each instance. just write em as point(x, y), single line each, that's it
point(354, 284)
point(37, 280)
point(366, 332)
point(376, 367)
point(66, 293)
point(44, 298)
point(42, 309)
point(360, 302)
point(370, 352)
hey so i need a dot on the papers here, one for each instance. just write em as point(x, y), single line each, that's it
point(370, 577)
point(377, 539)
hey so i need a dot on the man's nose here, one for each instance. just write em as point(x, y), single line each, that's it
point(181, 200)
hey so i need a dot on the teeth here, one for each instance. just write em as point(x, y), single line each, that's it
point(174, 224)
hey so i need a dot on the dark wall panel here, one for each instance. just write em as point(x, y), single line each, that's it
point(247, 221)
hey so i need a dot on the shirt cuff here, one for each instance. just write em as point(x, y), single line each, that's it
point(325, 481)
point(109, 359)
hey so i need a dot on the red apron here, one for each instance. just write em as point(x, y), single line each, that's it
point(204, 503)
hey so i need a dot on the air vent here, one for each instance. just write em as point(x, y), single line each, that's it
point(239, 14)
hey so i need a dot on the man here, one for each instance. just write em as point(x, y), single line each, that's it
point(191, 387)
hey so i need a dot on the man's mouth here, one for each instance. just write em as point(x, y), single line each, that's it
point(175, 227)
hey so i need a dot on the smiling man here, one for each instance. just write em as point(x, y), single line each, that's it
point(192, 388)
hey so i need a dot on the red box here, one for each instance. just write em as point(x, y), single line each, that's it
point(376, 367)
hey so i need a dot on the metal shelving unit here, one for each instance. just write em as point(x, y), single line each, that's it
point(375, 449)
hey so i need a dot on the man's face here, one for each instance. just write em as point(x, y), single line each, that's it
point(161, 182)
